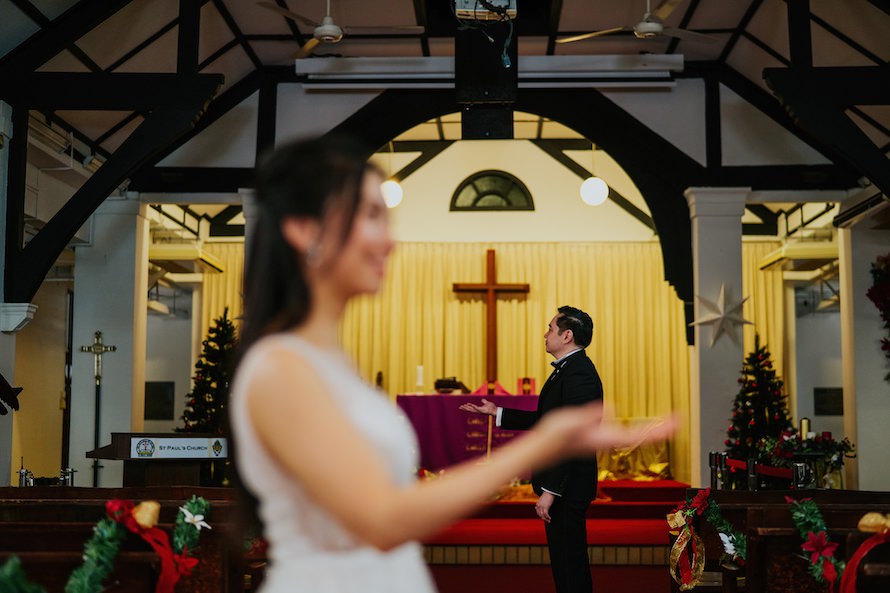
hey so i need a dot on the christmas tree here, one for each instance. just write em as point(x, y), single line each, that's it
point(760, 409)
point(206, 405)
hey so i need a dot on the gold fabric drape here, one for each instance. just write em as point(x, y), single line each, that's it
point(766, 305)
point(223, 290)
point(639, 344)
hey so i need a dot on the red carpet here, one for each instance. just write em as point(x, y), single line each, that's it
point(633, 519)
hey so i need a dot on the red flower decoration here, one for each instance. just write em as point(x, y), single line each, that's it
point(700, 502)
point(829, 573)
point(818, 545)
point(122, 512)
point(184, 563)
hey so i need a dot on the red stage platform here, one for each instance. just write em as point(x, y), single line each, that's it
point(503, 547)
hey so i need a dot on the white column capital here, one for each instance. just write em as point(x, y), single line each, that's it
point(15, 316)
point(248, 202)
point(121, 206)
point(716, 201)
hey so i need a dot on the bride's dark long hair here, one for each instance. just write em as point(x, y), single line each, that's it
point(309, 179)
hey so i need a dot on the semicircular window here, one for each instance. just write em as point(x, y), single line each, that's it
point(491, 190)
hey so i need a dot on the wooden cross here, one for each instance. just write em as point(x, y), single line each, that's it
point(491, 289)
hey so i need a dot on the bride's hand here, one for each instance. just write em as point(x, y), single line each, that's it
point(582, 430)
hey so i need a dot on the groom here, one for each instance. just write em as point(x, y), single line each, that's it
point(566, 490)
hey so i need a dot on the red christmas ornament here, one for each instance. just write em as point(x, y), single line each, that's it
point(752, 423)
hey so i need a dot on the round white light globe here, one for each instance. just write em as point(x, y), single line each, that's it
point(594, 191)
point(392, 193)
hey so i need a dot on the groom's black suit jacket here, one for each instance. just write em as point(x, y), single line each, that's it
point(573, 383)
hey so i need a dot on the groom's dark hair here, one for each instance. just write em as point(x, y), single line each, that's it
point(579, 322)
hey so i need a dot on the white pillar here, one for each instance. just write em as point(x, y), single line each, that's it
point(716, 215)
point(866, 393)
point(110, 295)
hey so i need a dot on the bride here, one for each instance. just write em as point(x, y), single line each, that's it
point(329, 459)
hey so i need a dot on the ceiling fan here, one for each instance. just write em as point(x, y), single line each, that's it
point(329, 32)
point(650, 27)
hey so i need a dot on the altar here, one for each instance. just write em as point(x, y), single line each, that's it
point(447, 435)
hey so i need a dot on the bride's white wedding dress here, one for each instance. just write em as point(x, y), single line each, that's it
point(310, 550)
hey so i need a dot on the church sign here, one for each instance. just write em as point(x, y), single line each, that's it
point(143, 447)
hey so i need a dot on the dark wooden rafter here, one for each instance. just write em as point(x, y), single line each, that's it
point(769, 221)
point(766, 48)
point(295, 33)
point(26, 268)
point(188, 37)
point(177, 102)
point(428, 151)
point(553, 25)
point(800, 39)
point(236, 31)
point(846, 39)
point(58, 36)
point(220, 224)
point(555, 149)
point(43, 22)
point(183, 180)
point(266, 116)
point(422, 19)
point(129, 118)
point(107, 92)
point(221, 105)
point(713, 133)
point(816, 99)
point(684, 23)
point(767, 104)
point(743, 24)
point(881, 5)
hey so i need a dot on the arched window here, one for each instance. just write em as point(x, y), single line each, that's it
point(491, 190)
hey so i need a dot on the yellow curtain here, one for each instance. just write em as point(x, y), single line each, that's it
point(638, 344)
point(223, 290)
point(766, 306)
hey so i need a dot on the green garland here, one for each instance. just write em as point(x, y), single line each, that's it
point(99, 554)
point(187, 533)
point(824, 567)
point(101, 550)
point(735, 545)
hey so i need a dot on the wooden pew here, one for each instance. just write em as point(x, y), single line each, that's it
point(775, 563)
point(47, 527)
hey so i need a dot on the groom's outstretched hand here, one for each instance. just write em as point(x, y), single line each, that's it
point(486, 408)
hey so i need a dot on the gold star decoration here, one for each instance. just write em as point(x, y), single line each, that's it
point(723, 316)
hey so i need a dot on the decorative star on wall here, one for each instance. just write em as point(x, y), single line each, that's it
point(723, 316)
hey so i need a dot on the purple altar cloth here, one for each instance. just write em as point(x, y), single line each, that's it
point(447, 435)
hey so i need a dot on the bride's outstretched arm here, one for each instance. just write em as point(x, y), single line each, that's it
point(303, 428)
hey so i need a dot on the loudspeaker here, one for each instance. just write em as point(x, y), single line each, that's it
point(486, 122)
point(484, 72)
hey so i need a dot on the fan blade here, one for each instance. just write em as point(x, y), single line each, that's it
point(686, 35)
point(383, 30)
point(288, 13)
point(594, 34)
point(664, 10)
point(307, 48)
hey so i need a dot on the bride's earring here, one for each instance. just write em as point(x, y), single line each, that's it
point(313, 255)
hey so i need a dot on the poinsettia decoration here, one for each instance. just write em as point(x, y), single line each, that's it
point(823, 565)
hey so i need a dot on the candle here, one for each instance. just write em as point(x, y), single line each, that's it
point(420, 375)
point(804, 428)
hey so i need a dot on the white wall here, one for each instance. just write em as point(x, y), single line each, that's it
point(559, 213)
point(168, 358)
point(818, 365)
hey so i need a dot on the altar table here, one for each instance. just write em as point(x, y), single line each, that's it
point(448, 435)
